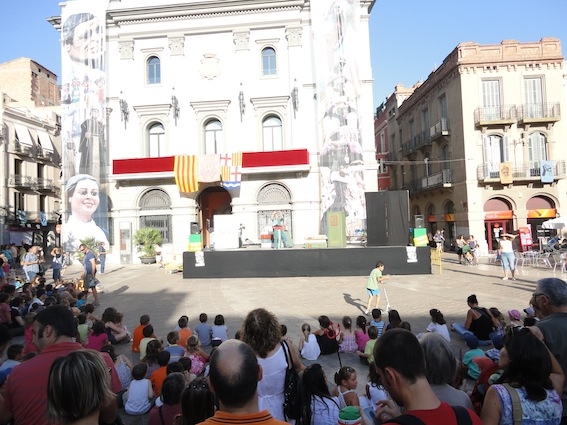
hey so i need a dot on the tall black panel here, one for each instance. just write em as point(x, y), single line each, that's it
point(387, 216)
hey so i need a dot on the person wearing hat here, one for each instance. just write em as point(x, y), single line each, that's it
point(515, 318)
point(83, 194)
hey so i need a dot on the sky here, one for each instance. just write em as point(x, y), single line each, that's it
point(408, 38)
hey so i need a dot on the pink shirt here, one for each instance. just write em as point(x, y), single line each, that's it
point(361, 339)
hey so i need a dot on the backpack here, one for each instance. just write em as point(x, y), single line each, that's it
point(293, 405)
point(481, 386)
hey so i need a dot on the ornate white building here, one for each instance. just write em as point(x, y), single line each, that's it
point(287, 83)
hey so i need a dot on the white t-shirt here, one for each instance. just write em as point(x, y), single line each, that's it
point(440, 329)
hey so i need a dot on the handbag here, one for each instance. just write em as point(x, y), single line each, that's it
point(293, 406)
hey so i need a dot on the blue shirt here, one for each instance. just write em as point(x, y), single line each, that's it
point(87, 262)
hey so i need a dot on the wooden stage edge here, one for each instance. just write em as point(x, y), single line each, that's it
point(293, 262)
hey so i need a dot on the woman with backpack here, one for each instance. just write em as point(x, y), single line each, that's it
point(262, 331)
point(528, 391)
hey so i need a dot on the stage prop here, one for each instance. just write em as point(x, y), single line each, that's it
point(387, 220)
point(399, 260)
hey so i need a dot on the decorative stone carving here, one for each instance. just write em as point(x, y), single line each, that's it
point(177, 46)
point(241, 39)
point(293, 36)
point(210, 66)
point(126, 49)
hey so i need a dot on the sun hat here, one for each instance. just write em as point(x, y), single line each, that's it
point(515, 314)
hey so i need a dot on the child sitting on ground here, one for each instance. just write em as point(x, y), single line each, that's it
point(82, 328)
point(137, 335)
point(139, 397)
point(377, 321)
point(175, 350)
point(219, 331)
point(308, 346)
point(360, 333)
point(148, 333)
point(367, 356)
point(198, 357)
point(97, 338)
point(204, 330)
point(345, 390)
point(184, 330)
point(347, 340)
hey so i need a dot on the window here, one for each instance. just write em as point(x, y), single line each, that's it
point(155, 206)
point(446, 157)
point(534, 97)
point(213, 137)
point(42, 203)
point(269, 61)
point(272, 134)
point(154, 70)
point(491, 99)
point(536, 149)
point(495, 152)
point(156, 135)
point(425, 124)
point(40, 170)
point(443, 106)
point(19, 201)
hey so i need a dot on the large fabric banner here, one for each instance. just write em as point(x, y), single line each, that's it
point(85, 142)
point(336, 40)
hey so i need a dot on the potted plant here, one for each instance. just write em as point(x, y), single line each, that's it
point(146, 239)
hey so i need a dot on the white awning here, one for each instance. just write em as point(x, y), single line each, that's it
point(23, 135)
point(45, 140)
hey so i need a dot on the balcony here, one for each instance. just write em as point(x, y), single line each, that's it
point(439, 130)
point(523, 171)
point(43, 184)
point(17, 148)
point(432, 181)
point(501, 115)
point(20, 181)
point(539, 113)
point(410, 146)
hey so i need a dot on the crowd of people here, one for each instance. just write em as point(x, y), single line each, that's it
point(211, 374)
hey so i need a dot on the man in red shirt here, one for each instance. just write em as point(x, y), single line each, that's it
point(25, 394)
point(400, 363)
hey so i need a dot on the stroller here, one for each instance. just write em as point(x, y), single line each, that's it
point(468, 255)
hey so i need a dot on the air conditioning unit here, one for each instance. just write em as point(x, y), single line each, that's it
point(419, 221)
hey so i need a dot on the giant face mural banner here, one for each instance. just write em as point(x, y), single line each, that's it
point(84, 138)
point(336, 39)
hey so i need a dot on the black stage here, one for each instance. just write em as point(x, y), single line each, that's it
point(355, 261)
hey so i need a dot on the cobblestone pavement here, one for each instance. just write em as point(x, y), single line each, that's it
point(144, 289)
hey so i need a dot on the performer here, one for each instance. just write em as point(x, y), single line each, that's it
point(279, 231)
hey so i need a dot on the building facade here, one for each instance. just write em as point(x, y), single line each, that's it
point(480, 143)
point(30, 160)
point(212, 79)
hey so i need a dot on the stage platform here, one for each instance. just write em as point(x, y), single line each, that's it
point(291, 262)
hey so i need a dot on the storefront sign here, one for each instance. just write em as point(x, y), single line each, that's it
point(449, 218)
point(431, 219)
point(498, 215)
point(542, 213)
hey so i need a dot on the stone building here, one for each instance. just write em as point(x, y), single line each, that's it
point(30, 160)
point(480, 144)
point(283, 84)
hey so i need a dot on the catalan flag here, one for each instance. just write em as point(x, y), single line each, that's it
point(185, 171)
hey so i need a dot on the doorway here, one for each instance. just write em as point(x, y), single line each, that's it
point(214, 200)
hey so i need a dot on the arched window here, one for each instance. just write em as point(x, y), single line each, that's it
point(495, 152)
point(156, 136)
point(537, 149)
point(274, 197)
point(154, 70)
point(213, 137)
point(272, 134)
point(269, 61)
point(155, 211)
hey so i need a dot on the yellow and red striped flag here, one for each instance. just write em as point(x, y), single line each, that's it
point(185, 170)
